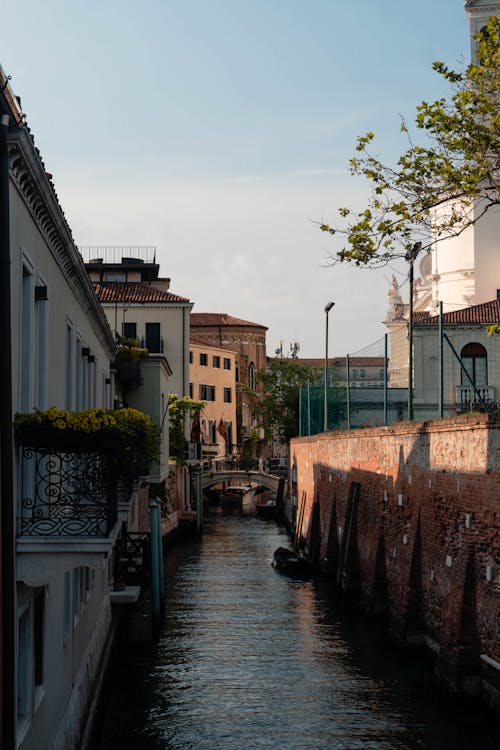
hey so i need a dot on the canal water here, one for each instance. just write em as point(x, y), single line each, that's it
point(249, 658)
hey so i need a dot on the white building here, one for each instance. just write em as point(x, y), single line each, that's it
point(462, 273)
point(56, 599)
point(139, 305)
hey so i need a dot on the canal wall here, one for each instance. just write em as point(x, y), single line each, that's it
point(406, 520)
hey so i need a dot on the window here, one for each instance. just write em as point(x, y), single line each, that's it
point(67, 605)
point(251, 376)
point(129, 331)
point(213, 434)
point(227, 395)
point(153, 339)
point(215, 361)
point(191, 390)
point(475, 360)
point(121, 277)
point(207, 392)
point(79, 379)
point(354, 374)
point(42, 360)
point(76, 595)
point(23, 666)
point(38, 636)
point(362, 373)
point(69, 366)
point(26, 349)
point(381, 373)
point(203, 359)
point(227, 363)
point(237, 372)
point(190, 357)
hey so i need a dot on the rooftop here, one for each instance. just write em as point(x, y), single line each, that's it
point(209, 320)
point(340, 361)
point(487, 313)
point(134, 292)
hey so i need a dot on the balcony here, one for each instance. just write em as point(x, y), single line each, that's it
point(75, 487)
point(467, 398)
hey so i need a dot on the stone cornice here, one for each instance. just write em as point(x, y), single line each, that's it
point(28, 175)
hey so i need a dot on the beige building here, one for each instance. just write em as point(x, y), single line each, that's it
point(212, 379)
point(248, 341)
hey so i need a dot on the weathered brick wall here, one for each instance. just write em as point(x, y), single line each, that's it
point(424, 543)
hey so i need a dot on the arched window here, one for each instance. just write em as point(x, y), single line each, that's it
point(237, 370)
point(475, 360)
point(213, 435)
point(251, 376)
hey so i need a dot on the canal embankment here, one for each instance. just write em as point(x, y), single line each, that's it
point(405, 520)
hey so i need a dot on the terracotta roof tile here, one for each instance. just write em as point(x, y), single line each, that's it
point(207, 320)
point(340, 361)
point(484, 314)
point(133, 292)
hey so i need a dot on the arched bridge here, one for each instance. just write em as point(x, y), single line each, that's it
point(259, 472)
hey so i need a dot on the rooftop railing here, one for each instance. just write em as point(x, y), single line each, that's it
point(116, 254)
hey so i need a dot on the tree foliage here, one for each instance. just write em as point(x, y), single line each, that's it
point(438, 189)
point(279, 408)
point(179, 409)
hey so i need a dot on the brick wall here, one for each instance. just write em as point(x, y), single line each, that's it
point(407, 519)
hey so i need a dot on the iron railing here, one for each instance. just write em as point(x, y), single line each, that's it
point(114, 254)
point(67, 493)
point(133, 558)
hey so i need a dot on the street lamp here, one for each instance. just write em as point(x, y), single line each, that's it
point(410, 257)
point(328, 307)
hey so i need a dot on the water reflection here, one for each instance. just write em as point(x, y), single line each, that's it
point(250, 658)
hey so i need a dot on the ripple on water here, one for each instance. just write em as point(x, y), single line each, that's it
point(251, 659)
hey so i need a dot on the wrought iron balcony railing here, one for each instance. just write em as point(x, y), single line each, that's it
point(68, 493)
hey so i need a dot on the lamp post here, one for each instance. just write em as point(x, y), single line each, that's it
point(328, 307)
point(410, 257)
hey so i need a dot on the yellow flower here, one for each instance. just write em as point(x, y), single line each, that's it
point(60, 424)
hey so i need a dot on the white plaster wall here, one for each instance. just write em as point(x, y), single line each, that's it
point(174, 329)
point(61, 307)
point(151, 397)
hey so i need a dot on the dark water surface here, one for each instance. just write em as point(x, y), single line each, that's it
point(251, 659)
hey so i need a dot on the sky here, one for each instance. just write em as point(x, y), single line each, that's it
point(220, 131)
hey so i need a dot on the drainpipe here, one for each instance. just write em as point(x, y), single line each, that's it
point(7, 455)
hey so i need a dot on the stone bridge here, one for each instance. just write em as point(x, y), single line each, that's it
point(258, 473)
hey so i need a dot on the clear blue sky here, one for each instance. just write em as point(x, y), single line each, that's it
point(217, 129)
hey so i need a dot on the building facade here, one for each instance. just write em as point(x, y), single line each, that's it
point(212, 379)
point(61, 518)
point(140, 306)
point(248, 341)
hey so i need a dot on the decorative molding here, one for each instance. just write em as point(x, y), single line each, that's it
point(33, 185)
point(38, 568)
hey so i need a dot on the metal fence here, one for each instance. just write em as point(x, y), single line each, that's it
point(454, 370)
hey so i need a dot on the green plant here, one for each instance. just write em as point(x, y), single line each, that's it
point(128, 434)
point(179, 409)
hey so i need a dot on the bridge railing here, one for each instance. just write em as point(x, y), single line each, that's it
point(235, 463)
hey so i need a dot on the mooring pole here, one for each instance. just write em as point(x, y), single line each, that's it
point(199, 495)
point(154, 521)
